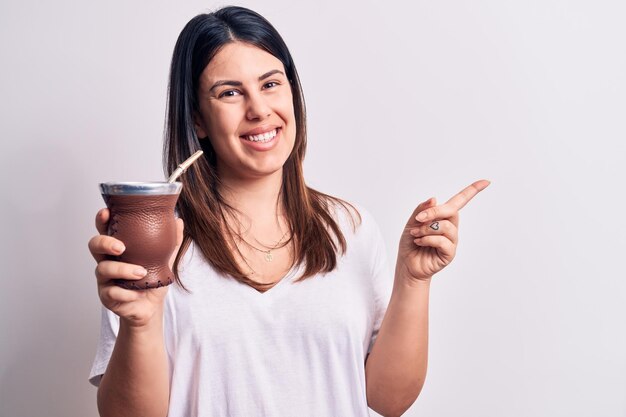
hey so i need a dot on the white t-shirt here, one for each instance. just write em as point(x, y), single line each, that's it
point(296, 350)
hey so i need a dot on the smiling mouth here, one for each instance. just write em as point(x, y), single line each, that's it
point(263, 137)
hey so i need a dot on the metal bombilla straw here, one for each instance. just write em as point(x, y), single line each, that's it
point(183, 167)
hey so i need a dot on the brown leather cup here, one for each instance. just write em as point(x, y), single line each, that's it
point(142, 217)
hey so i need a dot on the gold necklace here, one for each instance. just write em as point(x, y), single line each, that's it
point(268, 249)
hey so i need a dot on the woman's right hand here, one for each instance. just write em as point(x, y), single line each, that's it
point(137, 307)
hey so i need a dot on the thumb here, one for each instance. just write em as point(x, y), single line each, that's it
point(180, 227)
point(431, 202)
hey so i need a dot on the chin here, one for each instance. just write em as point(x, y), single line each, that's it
point(268, 170)
point(271, 164)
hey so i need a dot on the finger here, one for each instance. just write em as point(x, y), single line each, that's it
point(100, 246)
point(180, 228)
point(452, 206)
point(112, 294)
point(102, 220)
point(421, 207)
point(461, 199)
point(109, 270)
point(438, 212)
point(445, 248)
point(437, 227)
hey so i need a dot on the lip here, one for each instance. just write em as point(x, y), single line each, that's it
point(260, 129)
point(264, 146)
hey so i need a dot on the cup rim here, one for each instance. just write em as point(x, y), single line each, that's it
point(140, 188)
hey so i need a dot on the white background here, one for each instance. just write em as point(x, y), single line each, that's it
point(406, 100)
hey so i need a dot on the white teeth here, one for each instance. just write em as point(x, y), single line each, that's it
point(263, 137)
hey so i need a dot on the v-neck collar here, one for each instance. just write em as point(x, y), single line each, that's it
point(251, 293)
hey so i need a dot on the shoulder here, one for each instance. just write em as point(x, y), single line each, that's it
point(354, 218)
point(364, 239)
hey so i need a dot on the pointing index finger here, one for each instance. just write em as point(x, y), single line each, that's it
point(461, 199)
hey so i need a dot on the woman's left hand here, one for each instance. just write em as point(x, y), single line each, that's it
point(429, 240)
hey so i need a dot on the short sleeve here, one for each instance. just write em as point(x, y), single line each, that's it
point(109, 327)
point(381, 277)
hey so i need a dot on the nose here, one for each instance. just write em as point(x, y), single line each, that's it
point(258, 107)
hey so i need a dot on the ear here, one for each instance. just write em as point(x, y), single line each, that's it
point(198, 126)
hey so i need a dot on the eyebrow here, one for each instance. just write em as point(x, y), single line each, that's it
point(239, 84)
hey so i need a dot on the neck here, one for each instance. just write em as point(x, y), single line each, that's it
point(257, 198)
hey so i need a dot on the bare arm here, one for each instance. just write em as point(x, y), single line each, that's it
point(136, 381)
point(396, 367)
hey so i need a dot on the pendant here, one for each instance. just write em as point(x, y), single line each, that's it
point(268, 256)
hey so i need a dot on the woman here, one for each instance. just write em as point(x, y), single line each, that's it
point(281, 290)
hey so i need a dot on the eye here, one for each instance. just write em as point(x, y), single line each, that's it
point(271, 84)
point(229, 93)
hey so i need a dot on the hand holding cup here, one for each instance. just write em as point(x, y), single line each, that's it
point(136, 306)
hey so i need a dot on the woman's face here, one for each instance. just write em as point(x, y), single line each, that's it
point(246, 110)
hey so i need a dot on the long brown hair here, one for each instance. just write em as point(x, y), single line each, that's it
point(317, 237)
